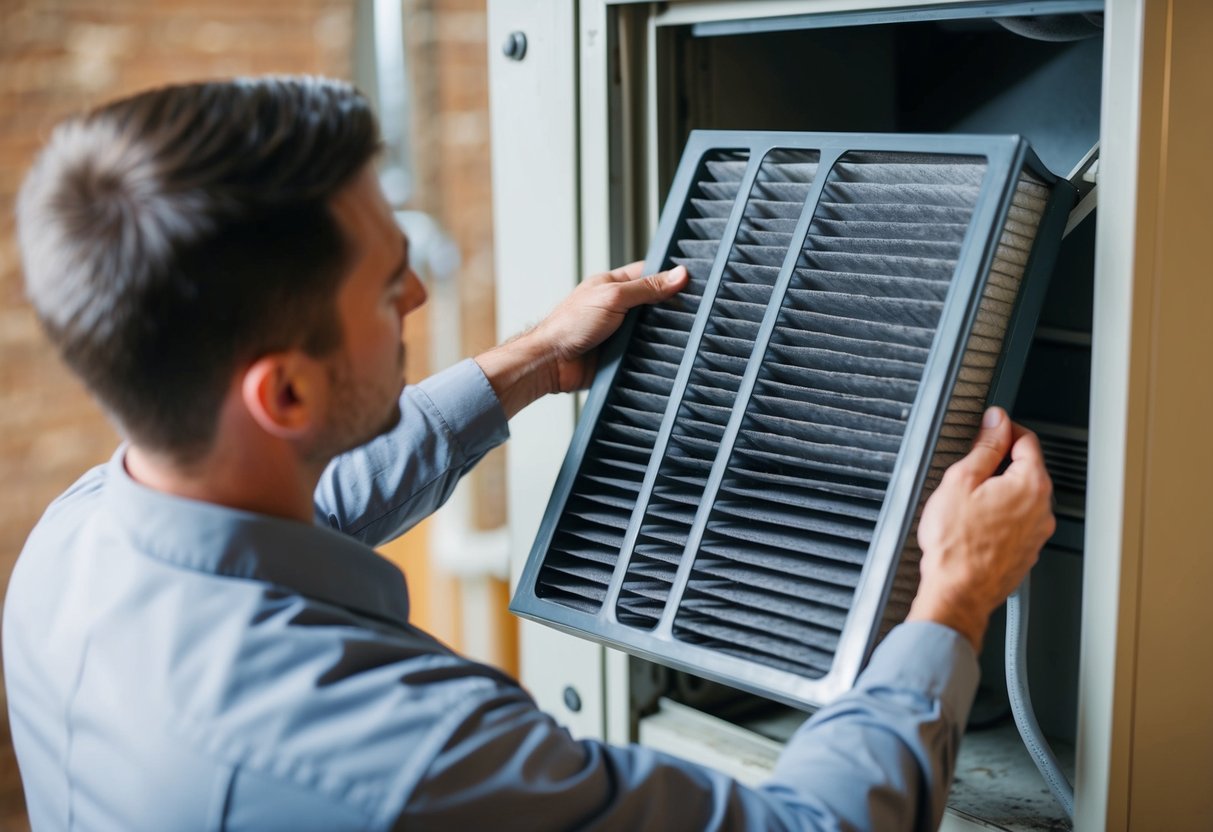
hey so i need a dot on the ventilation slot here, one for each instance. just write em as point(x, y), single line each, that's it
point(1065, 451)
point(591, 531)
point(740, 300)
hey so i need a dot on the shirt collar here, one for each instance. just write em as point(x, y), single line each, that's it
point(316, 562)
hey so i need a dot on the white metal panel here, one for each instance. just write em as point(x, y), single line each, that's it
point(1111, 546)
point(651, 195)
point(535, 213)
point(594, 116)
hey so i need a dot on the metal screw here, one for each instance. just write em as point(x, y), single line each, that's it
point(515, 46)
point(572, 700)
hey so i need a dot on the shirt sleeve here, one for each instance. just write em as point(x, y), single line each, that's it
point(447, 424)
point(880, 757)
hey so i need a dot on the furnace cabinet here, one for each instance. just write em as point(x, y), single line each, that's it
point(588, 123)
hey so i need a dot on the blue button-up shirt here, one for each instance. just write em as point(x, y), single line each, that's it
point(176, 665)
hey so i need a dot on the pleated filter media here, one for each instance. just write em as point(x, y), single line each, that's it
point(741, 495)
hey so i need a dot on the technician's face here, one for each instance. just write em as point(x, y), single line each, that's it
point(367, 373)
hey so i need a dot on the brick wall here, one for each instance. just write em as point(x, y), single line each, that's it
point(58, 56)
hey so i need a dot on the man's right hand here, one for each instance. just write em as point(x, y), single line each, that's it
point(560, 354)
point(981, 533)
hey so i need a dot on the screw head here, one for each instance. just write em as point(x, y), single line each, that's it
point(572, 700)
point(514, 46)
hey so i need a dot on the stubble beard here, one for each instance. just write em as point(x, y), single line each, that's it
point(357, 414)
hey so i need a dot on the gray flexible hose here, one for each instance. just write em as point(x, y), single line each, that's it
point(1021, 699)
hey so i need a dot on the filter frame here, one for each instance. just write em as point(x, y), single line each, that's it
point(1005, 157)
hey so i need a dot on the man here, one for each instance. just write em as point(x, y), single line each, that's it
point(197, 634)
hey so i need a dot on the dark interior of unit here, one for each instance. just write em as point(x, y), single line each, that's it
point(966, 76)
point(960, 76)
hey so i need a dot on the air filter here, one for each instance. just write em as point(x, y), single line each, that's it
point(741, 493)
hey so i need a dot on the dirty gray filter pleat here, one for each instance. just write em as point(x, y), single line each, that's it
point(744, 292)
point(790, 530)
point(586, 547)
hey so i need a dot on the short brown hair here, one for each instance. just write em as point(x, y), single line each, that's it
point(170, 236)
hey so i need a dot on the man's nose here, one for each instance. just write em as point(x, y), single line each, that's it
point(413, 295)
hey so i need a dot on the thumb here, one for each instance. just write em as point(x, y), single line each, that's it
point(989, 448)
point(651, 289)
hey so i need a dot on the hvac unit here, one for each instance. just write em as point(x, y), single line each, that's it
point(730, 508)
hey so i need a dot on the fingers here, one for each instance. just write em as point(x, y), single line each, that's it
point(1027, 458)
point(633, 290)
point(1026, 446)
point(620, 275)
point(629, 272)
point(1035, 486)
point(989, 448)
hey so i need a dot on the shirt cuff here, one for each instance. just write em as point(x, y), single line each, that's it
point(465, 400)
point(929, 658)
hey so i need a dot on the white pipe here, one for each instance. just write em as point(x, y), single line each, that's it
point(391, 76)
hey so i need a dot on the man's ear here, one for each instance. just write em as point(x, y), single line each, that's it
point(284, 392)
